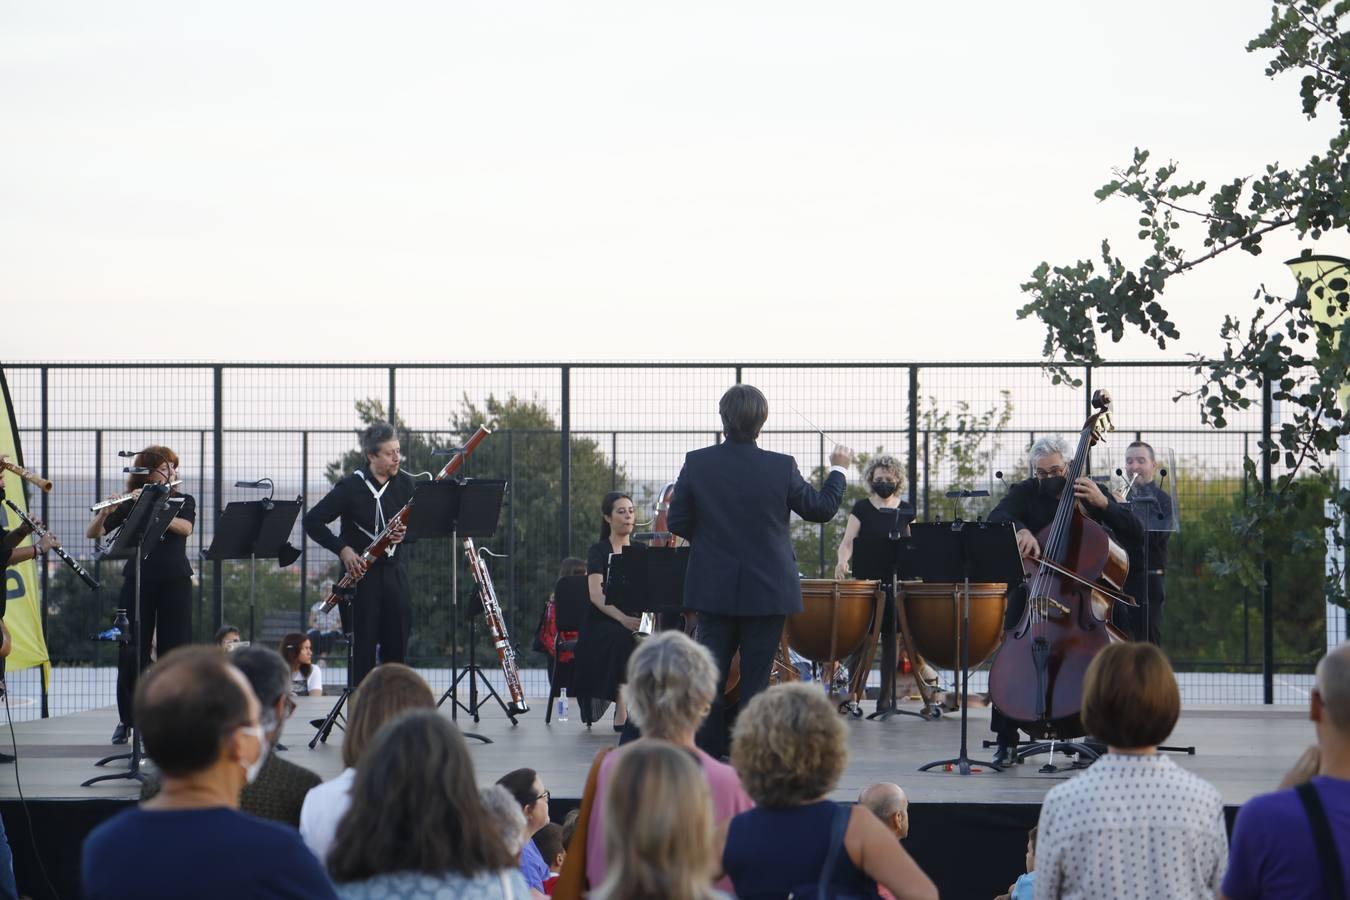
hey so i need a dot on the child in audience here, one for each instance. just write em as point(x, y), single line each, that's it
point(1024, 888)
point(550, 843)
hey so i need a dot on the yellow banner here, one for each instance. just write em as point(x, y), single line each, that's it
point(22, 590)
point(1325, 278)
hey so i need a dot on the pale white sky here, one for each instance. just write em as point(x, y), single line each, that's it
point(601, 180)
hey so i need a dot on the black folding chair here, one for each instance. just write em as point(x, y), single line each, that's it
point(571, 597)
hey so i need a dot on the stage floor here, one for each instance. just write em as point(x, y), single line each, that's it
point(1242, 750)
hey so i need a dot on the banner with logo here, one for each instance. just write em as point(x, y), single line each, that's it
point(23, 615)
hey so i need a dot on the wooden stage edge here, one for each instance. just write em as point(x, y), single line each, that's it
point(1242, 750)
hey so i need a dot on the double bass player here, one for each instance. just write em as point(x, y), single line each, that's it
point(1031, 505)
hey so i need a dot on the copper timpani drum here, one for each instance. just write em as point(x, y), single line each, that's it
point(838, 619)
point(932, 614)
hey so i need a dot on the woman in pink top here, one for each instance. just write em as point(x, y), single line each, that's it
point(671, 681)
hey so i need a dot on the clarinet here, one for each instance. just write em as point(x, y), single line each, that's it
point(384, 543)
point(492, 612)
point(65, 557)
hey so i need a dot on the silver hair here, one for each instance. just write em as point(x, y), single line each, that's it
point(506, 815)
point(671, 683)
point(884, 800)
point(884, 461)
point(1048, 446)
point(375, 435)
point(1333, 684)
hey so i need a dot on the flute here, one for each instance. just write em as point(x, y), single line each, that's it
point(26, 475)
point(123, 498)
point(66, 558)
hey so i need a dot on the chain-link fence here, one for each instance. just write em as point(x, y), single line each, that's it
point(566, 434)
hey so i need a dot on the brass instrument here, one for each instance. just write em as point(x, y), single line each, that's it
point(1125, 485)
point(66, 558)
point(123, 498)
point(501, 641)
point(30, 477)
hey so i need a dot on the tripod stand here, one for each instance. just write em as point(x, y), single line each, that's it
point(325, 725)
point(474, 673)
point(145, 525)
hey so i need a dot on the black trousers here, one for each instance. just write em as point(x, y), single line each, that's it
point(1149, 627)
point(382, 619)
point(166, 618)
point(757, 638)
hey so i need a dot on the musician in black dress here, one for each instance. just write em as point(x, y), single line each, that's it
point(166, 576)
point(606, 639)
point(1153, 507)
point(1031, 505)
point(868, 546)
point(366, 501)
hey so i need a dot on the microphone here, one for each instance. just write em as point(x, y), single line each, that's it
point(135, 470)
point(127, 454)
point(1162, 473)
point(260, 483)
point(1120, 472)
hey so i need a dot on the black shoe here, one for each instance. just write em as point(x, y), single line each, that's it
point(120, 733)
point(283, 747)
point(1006, 755)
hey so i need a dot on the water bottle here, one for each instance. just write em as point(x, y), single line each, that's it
point(562, 709)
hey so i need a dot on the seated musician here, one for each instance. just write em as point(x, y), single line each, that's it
point(868, 546)
point(606, 638)
point(1030, 505)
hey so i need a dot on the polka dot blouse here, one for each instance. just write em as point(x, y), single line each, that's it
point(1131, 826)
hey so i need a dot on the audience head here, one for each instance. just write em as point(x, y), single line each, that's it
point(529, 793)
point(550, 843)
point(1031, 850)
point(198, 717)
point(569, 827)
point(389, 689)
point(1130, 696)
point(227, 636)
point(270, 679)
point(789, 746)
point(744, 410)
point(415, 806)
point(658, 823)
point(671, 683)
point(504, 818)
point(572, 565)
point(1331, 695)
point(889, 804)
point(298, 652)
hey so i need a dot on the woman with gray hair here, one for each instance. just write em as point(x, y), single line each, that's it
point(670, 687)
point(868, 545)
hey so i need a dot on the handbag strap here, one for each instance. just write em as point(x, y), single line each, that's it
point(837, 829)
point(1333, 880)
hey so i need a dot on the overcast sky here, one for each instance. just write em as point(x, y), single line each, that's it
point(621, 180)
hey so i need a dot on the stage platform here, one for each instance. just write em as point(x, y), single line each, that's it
point(968, 832)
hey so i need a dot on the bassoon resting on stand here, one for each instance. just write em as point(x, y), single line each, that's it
point(501, 640)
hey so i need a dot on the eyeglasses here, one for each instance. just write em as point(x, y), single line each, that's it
point(1052, 472)
point(544, 796)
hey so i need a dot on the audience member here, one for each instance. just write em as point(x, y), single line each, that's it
point(1276, 849)
point(569, 826)
point(890, 805)
point(658, 827)
point(306, 678)
point(525, 786)
point(1135, 823)
point(228, 637)
point(670, 685)
point(790, 748)
point(200, 724)
point(416, 826)
point(1024, 888)
point(550, 843)
point(505, 816)
point(389, 690)
point(280, 788)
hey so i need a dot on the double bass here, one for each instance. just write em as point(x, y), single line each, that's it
point(1037, 677)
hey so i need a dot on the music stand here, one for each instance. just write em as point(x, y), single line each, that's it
point(347, 620)
point(459, 509)
point(251, 529)
point(145, 525)
point(899, 559)
point(964, 552)
point(645, 579)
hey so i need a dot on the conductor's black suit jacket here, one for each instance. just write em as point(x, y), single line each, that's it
point(733, 503)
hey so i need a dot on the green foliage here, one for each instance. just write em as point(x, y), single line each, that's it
point(1286, 343)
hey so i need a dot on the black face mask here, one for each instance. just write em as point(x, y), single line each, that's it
point(884, 489)
point(1051, 487)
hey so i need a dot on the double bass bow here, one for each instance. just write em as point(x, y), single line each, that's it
point(1037, 677)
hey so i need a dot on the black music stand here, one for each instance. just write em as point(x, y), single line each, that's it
point(900, 560)
point(646, 579)
point(964, 552)
point(144, 527)
point(252, 529)
point(347, 619)
point(460, 509)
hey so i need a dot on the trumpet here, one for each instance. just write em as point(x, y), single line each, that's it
point(123, 498)
point(1125, 484)
point(30, 477)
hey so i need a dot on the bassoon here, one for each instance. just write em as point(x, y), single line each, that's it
point(385, 540)
point(501, 641)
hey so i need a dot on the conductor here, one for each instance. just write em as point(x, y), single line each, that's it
point(733, 503)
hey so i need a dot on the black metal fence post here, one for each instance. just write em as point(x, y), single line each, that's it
point(46, 517)
point(914, 442)
point(1267, 568)
point(565, 458)
point(218, 484)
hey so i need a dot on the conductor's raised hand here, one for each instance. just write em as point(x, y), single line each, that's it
point(1089, 492)
point(841, 456)
point(1027, 544)
point(352, 562)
